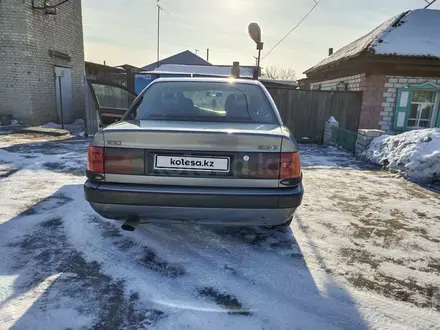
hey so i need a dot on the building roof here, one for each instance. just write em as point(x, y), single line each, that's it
point(91, 67)
point(185, 58)
point(214, 70)
point(411, 34)
point(126, 66)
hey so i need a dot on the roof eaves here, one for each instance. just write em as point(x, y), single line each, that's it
point(363, 53)
point(415, 57)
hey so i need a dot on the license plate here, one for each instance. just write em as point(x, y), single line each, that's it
point(185, 163)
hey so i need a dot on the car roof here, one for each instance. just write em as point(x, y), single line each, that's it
point(202, 79)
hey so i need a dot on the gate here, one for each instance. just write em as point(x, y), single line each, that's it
point(305, 111)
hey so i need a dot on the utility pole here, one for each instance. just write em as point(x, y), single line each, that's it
point(207, 55)
point(158, 33)
point(159, 9)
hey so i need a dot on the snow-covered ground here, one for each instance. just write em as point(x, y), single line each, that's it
point(363, 252)
point(416, 154)
point(76, 128)
point(8, 129)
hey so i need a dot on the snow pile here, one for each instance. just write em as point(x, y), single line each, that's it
point(59, 126)
point(7, 129)
point(13, 123)
point(416, 154)
point(416, 34)
point(332, 120)
point(52, 125)
point(76, 128)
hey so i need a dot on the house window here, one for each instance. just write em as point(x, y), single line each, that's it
point(423, 106)
point(417, 107)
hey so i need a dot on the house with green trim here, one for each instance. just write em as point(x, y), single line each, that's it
point(396, 67)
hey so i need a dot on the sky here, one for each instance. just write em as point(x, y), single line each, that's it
point(125, 31)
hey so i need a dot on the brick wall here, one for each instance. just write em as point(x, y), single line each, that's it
point(389, 97)
point(27, 84)
point(352, 81)
point(364, 138)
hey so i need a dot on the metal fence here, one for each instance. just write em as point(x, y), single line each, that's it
point(344, 139)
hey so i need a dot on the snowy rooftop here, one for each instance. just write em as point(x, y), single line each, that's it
point(413, 33)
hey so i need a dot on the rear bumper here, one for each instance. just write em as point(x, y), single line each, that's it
point(194, 204)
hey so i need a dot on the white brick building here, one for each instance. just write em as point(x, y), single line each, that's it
point(396, 66)
point(36, 46)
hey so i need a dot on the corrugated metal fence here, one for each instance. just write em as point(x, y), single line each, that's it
point(305, 111)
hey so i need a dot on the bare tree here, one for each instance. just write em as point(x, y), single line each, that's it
point(272, 72)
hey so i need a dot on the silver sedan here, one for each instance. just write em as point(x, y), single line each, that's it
point(209, 151)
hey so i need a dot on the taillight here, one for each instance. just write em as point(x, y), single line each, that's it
point(95, 159)
point(264, 165)
point(124, 161)
point(290, 165)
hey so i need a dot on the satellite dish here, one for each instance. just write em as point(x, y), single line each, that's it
point(255, 32)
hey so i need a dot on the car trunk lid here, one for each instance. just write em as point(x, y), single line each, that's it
point(197, 136)
point(193, 153)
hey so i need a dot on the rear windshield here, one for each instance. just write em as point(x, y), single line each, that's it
point(205, 101)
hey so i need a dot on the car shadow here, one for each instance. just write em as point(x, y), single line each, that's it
point(74, 269)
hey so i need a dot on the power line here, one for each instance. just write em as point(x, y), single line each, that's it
point(294, 28)
point(429, 4)
point(159, 9)
point(163, 9)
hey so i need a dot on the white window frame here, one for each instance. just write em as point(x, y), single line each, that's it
point(435, 110)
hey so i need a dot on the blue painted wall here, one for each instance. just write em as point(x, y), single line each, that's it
point(142, 80)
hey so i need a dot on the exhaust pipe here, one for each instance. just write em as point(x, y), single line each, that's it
point(131, 224)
